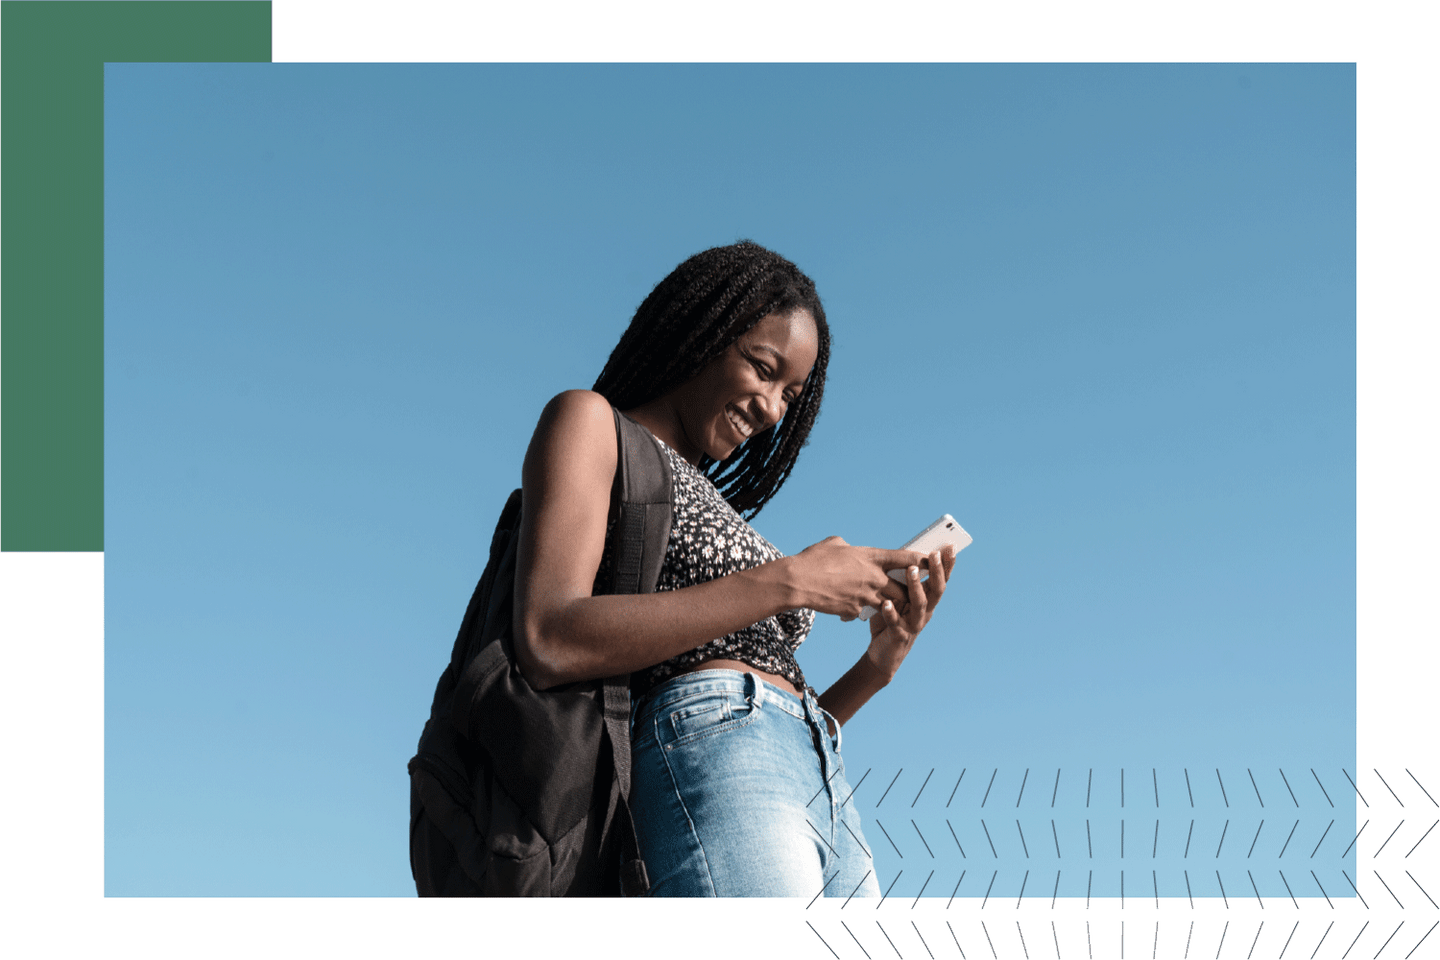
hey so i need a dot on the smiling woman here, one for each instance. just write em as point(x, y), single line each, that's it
point(724, 365)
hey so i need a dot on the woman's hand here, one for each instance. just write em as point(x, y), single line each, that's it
point(895, 626)
point(834, 577)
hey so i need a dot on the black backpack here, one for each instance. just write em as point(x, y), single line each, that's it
point(519, 792)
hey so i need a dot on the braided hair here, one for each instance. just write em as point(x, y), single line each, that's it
point(689, 320)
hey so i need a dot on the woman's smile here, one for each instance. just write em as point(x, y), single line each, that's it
point(738, 421)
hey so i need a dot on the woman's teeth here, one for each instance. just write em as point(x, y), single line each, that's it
point(740, 424)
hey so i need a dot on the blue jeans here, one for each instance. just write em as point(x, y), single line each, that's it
point(738, 790)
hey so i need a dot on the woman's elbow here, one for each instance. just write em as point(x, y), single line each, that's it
point(538, 658)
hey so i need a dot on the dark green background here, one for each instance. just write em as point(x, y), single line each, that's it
point(52, 448)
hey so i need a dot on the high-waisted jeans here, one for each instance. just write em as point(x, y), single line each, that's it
point(738, 790)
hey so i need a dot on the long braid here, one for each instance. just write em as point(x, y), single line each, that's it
point(690, 319)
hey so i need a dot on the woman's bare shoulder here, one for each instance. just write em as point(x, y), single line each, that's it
point(577, 425)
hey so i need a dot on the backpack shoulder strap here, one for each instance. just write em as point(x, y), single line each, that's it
point(645, 489)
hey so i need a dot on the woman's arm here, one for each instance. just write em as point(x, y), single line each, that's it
point(563, 633)
point(892, 634)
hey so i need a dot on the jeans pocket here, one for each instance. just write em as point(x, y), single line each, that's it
point(708, 715)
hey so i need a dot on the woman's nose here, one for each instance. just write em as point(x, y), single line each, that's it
point(772, 406)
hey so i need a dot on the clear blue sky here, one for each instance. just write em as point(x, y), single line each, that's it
point(1104, 315)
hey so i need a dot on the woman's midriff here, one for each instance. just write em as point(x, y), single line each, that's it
point(742, 667)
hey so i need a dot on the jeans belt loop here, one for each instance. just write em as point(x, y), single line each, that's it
point(754, 690)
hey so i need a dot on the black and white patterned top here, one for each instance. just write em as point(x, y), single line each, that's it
point(708, 539)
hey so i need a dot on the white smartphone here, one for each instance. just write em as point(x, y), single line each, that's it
point(936, 536)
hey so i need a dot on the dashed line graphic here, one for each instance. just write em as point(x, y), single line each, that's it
point(916, 903)
point(1393, 895)
point(1256, 942)
point(1293, 901)
point(887, 789)
point(1358, 895)
point(956, 839)
point(1358, 834)
point(956, 785)
point(1292, 836)
point(925, 785)
point(820, 893)
point(923, 942)
point(1020, 936)
point(1420, 943)
point(990, 942)
point(1328, 901)
point(1422, 888)
point(1324, 937)
point(1322, 788)
point(1388, 789)
point(1358, 792)
point(1256, 839)
point(856, 940)
point(882, 901)
point(857, 888)
point(1259, 903)
point(1355, 942)
point(1423, 838)
point(1386, 842)
point(1423, 789)
point(883, 933)
point(822, 942)
point(1287, 785)
point(888, 837)
point(1393, 934)
point(857, 786)
point(922, 838)
point(1289, 939)
point(1054, 939)
point(951, 901)
point(955, 939)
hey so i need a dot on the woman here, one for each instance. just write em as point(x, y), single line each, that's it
point(724, 363)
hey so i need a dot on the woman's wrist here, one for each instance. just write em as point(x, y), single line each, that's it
point(783, 583)
point(872, 673)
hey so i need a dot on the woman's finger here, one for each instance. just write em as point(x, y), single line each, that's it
point(894, 591)
point(935, 586)
point(918, 600)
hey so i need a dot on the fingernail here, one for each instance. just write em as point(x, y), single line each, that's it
point(914, 572)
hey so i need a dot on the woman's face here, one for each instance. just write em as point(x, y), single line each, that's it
point(749, 387)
